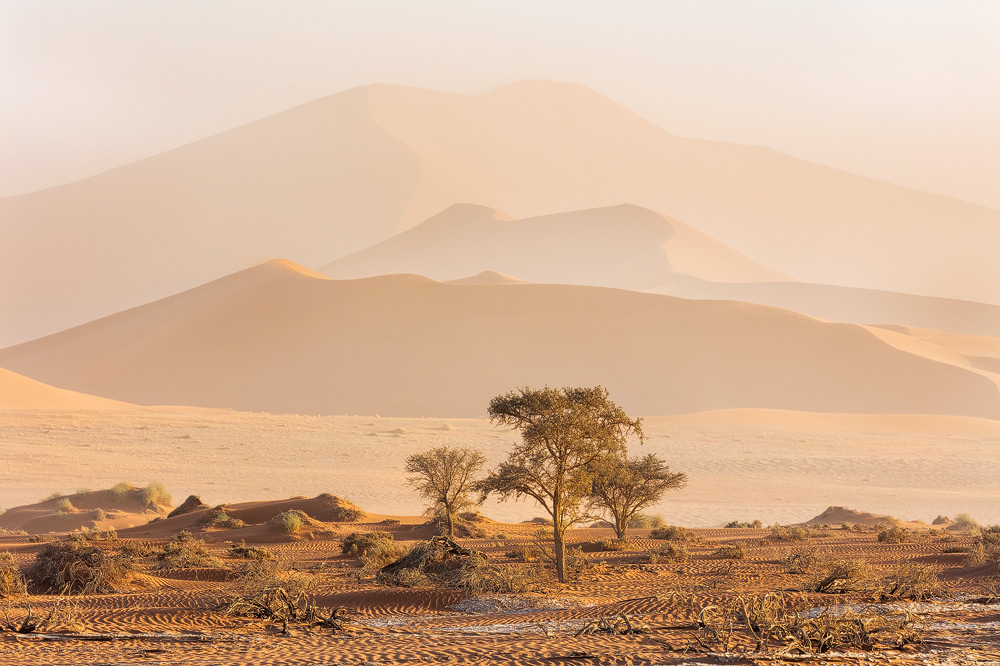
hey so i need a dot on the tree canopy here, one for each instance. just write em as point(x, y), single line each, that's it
point(445, 477)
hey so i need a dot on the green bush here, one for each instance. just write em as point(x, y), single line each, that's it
point(291, 521)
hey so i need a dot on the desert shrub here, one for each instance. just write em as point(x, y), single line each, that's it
point(373, 549)
point(986, 547)
point(643, 521)
point(155, 494)
point(186, 552)
point(965, 521)
point(731, 551)
point(500, 536)
point(950, 550)
point(54, 496)
point(795, 532)
point(912, 580)
point(894, 534)
point(291, 521)
point(98, 514)
point(526, 554)
point(613, 544)
point(544, 533)
point(77, 566)
point(738, 524)
point(805, 561)
point(441, 561)
point(135, 549)
point(668, 552)
point(6, 532)
point(843, 576)
point(670, 532)
point(64, 506)
point(219, 517)
point(121, 490)
point(242, 550)
point(257, 575)
point(12, 581)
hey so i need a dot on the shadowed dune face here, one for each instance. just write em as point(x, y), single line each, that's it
point(20, 392)
point(331, 177)
point(621, 246)
point(276, 338)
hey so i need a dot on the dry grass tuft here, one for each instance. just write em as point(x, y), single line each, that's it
point(186, 552)
point(76, 566)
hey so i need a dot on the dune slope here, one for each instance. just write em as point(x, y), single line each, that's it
point(20, 392)
point(276, 338)
point(338, 174)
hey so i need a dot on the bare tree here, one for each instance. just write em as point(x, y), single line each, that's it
point(626, 486)
point(445, 477)
point(566, 435)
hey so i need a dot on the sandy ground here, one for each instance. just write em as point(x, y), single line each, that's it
point(173, 616)
point(745, 465)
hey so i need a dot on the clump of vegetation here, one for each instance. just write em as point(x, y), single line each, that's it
point(64, 507)
point(373, 549)
point(736, 524)
point(795, 532)
point(668, 552)
point(894, 534)
point(613, 544)
point(155, 495)
point(912, 580)
point(135, 549)
point(805, 561)
point(77, 566)
point(220, 517)
point(964, 521)
point(12, 582)
point(121, 490)
point(441, 561)
point(98, 514)
point(625, 486)
point(731, 551)
point(844, 576)
point(986, 547)
point(645, 521)
point(242, 550)
point(671, 533)
point(291, 521)
point(186, 552)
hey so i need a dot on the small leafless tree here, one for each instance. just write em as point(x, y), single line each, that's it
point(445, 477)
point(626, 486)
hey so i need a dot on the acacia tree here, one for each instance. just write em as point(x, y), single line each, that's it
point(445, 477)
point(626, 486)
point(566, 436)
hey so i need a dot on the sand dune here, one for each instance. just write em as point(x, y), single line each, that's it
point(100, 509)
point(331, 177)
point(849, 305)
point(621, 246)
point(276, 338)
point(20, 392)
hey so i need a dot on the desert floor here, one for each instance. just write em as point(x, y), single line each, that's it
point(172, 616)
point(742, 464)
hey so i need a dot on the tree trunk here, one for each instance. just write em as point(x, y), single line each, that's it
point(451, 521)
point(560, 548)
point(621, 526)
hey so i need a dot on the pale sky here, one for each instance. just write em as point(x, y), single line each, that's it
point(903, 90)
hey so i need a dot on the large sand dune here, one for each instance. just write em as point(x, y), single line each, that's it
point(279, 338)
point(848, 304)
point(331, 177)
point(621, 246)
point(20, 392)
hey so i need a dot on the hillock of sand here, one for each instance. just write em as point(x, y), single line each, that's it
point(121, 507)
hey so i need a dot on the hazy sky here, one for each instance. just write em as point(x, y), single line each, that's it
point(903, 90)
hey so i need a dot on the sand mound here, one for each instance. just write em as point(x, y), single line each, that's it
point(192, 503)
point(274, 339)
point(566, 248)
point(942, 520)
point(840, 515)
point(119, 508)
point(489, 277)
point(20, 392)
point(352, 169)
point(257, 521)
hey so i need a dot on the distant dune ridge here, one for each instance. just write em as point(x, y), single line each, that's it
point(331, 177)
point(620, 246)
point(278, 338)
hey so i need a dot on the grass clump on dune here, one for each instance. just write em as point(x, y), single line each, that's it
point(186, 552)
point(373, 549)
point(12, 582)
point(155, 495)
